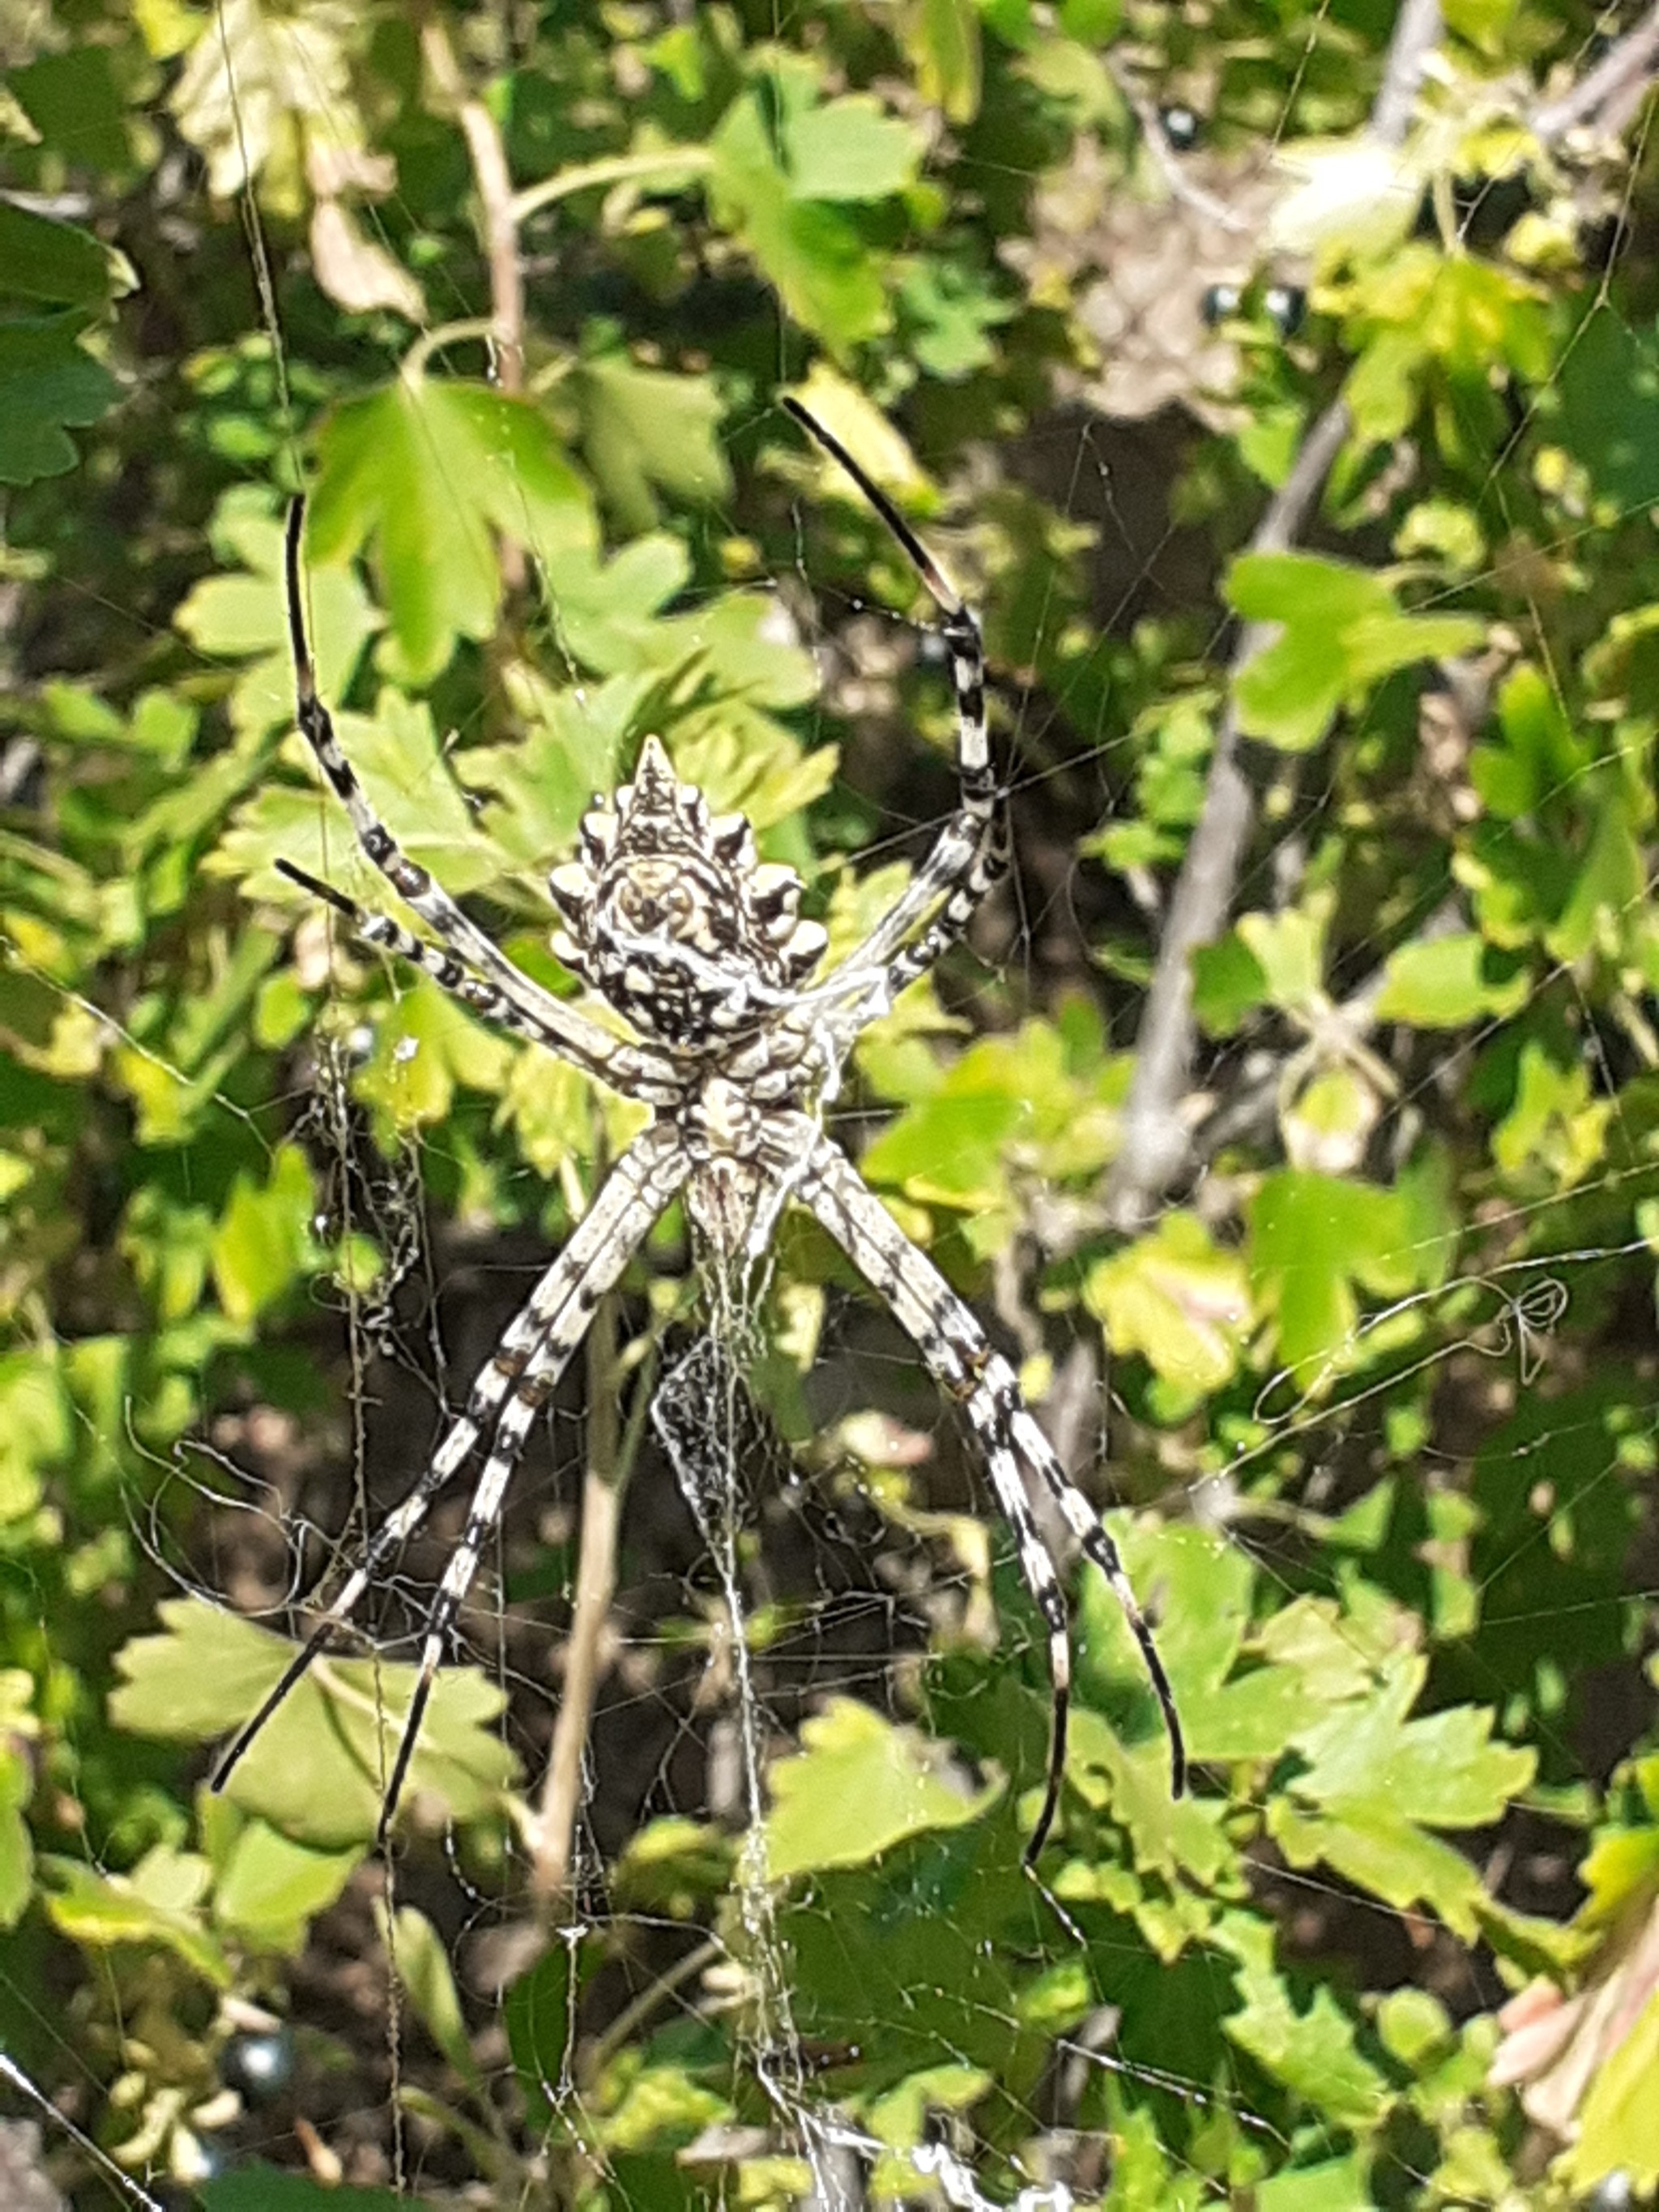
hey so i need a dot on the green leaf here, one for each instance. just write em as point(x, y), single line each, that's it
point(643, 428)
point(951, 312)
point(1618, 2123)
point(40, 259)
point(423, 1967)
point(236, 615)
point(75, 101)
point(1445, 982)
point(540, 2012)
point(1335, 2184)
point(1608, 890)
point(1312, 1238)
point(908, 1961)
point(412, 786)
point(1289, 948)
point(262, 1243)
point(943, 40)
point(316, 1772)
point(780, 162)
point(159, 1903)
point(859, 1786)
point(1341, 632)
point(46, 383)
point(1539, 760)
point(16, 1850)
point(36, 1427)
point(1167, 1836)
point(1309, 2047)
point(257, 2187)
point(1176, 1297)
point(951, 1148)
point(429, 474)
point(1443, 1771)
point(847, 150)
point(425, 1046)
point(1229, 982)
point(1609, 409)
point(1556, 1122)
point(269, 1888)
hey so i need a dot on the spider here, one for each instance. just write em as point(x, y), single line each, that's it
point(670, 918)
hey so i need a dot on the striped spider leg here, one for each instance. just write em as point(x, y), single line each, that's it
point(538, 1013)
point(970, 856)
point(960, 1358)
point(514, 1384)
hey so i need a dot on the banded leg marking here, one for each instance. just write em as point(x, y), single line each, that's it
point(960, 1357)
point(548, 1326)
point(623, 1066)
point(963, 862)
point(562, 1031)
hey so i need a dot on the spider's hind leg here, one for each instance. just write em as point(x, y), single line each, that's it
point(961, 1359)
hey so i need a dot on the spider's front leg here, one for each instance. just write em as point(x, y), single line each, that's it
point(519, 1004)
point(970, 856)
point(516, 1382)
point(626, 1067)
point(961, 1358)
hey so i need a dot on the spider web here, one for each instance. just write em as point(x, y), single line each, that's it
point(768, 1574)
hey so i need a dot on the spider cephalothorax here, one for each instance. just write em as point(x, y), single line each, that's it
point(671, 918)
point(674, 920)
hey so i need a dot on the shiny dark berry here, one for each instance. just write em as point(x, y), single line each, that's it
point(1285, 307)
point(1181, 126)
point(260, 2066)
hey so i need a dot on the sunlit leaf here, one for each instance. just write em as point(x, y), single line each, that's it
point(1176, 1297)
point(316, 1772)
point(1341, 632)
point(431, 475)
point(857, 1787)
point(644, 430)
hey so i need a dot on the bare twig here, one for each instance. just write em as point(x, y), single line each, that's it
point(500, 224)
point(500, 234)
point(611, 1453)
point(1156, 1144)
point(1416, 35)
point(1606, 96)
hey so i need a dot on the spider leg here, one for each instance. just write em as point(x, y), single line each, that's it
point(561, 1029)
point(970, 855)
point(623, 1066)
point(960, 1357)
point(523, 1370)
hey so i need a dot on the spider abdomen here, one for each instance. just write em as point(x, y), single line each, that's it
point(674, 920)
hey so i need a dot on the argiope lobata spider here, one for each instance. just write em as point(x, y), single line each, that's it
point(670, 918)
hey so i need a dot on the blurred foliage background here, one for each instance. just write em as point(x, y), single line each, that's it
point(1282, 382)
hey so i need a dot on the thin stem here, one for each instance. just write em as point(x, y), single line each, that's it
point(614, 169)
point(413, 365)
point(1416, 35)
point(612, 1451)
point(1156, 1141)
point(501, 234)
point(495, 184)
point(619, 2032)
